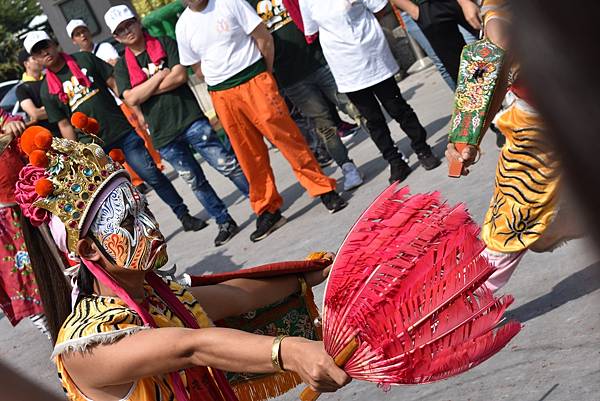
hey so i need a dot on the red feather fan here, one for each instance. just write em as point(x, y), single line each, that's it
point(405, 287)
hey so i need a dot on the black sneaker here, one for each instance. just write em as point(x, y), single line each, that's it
point(226, 232)
point(399, 170)
point(323, 157)
point(333, 201)
point(191, 223)
point(266, 223)
point(428, 160)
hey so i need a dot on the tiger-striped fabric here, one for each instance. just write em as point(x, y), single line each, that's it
point(103, 320)
point(491, 9)
point(526, 186)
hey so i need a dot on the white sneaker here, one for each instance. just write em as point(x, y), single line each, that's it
point(352, 177)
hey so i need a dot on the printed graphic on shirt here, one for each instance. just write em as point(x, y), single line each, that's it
point(152, 68)
point(78, 93)
point(273, 13)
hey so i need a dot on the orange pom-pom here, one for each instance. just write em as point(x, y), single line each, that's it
point(117, 155)
point(92, 126)
point(28, 138)
point(38, 158)
point(79, 120)
point(44, 187)
point(43, 140)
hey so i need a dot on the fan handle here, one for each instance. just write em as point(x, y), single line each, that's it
point(340, 359)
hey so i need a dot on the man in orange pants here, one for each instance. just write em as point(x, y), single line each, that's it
point(247, 101)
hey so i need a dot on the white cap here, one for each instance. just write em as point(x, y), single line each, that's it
point(74, 23)
point(117, 14)
point(33, 38)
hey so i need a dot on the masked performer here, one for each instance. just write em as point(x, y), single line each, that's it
point(19, 296)
point(523, 213)
point(130, 334)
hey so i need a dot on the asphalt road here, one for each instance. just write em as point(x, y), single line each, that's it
point(555, 357)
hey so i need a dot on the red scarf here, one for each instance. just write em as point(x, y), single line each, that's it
point(156, 53)
point(55, 85)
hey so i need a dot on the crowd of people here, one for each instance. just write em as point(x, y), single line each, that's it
point(259, 63)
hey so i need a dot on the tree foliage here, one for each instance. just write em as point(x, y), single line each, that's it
point(15, 15)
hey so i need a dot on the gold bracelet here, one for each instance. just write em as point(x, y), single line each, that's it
point(275, 351)
point(303, 285)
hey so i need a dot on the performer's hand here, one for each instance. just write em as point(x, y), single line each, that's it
point(467, 156)
point(317, 277)
point(13, 128)
point(471, 12)
point(314, 366)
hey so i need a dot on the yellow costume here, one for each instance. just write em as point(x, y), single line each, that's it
point(102, 320)
point(527, 177)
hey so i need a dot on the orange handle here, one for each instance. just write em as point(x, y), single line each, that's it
point(455, 168)
point(309, 394)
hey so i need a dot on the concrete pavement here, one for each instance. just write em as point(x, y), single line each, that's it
point(555, 357)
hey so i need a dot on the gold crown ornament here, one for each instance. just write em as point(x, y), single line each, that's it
point(75, 174)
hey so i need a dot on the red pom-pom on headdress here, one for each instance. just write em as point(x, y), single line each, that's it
point(43, 140)
point(38, 158)
point(117, 155)
point(92, 126)
point(44, 187)
point(79, 120)
point(28, 139)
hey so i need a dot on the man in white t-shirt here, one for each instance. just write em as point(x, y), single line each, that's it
point(81, 36)
point(363, 67)
point(226, 42)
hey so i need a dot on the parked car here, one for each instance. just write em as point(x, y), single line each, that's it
point(6, 86)
point(10, 103)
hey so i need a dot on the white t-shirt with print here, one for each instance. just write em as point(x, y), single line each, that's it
point(352, 40)
point(219, 38)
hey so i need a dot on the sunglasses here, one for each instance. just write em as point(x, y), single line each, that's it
point(40, 47)
point(125, 27)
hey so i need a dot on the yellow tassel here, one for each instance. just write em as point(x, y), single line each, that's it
point(266, 387)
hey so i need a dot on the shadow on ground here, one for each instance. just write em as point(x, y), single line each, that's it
point(571, 288)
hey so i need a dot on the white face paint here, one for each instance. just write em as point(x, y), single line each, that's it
point(128, 231)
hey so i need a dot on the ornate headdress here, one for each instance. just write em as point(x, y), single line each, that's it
point(63, 179)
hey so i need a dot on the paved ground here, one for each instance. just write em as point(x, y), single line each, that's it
point(556, 356)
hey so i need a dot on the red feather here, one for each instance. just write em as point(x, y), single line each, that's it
point(407, 284)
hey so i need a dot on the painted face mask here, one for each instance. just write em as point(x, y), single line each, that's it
point(128, 231)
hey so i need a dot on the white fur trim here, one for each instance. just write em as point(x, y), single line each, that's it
point(82, 344)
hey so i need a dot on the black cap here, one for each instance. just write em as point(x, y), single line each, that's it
point(23, 57)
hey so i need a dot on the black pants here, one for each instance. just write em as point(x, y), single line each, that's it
point(390, 97)
point(439, 21)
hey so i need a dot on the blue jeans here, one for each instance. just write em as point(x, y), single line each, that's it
point(141, 162)
point(204, 140)
point(179, 154)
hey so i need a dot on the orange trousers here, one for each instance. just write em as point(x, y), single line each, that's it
point(255, 109)
point(142, 133)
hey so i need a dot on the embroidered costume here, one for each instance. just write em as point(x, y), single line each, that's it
point(19, 296)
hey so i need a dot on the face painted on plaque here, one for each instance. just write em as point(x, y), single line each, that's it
point(128, 232)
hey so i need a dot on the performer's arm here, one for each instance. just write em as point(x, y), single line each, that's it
point(237, 296)
point(158, 351)
point(142, 92)
point(66, 130)
point(264, 41)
